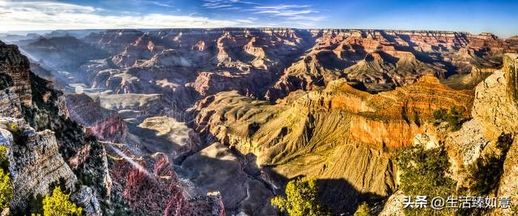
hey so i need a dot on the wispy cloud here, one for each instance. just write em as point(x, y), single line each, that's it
point(290, 12)
point(210, 3)
point(161, 4)
point(227, 4)
point(48, 15)
point(301, 15)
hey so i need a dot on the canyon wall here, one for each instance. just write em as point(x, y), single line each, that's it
point(47, 149)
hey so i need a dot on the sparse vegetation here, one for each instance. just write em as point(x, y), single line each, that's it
point(423, 173)
point(453, 117)
point(301, 199)
point(59, 204)
point(6, 190)
point(363, 210)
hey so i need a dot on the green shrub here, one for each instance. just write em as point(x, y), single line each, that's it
point(363, 210)
point(6, 190)
point(453, 117)
point(301, 199)
point(439, 115)
point(4, 161)
point(59, 204)
point(423, 173)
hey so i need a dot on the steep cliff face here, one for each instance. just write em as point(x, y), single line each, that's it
point(18, 76)
point(495, 105)
point(43, 144)
point(508, 186)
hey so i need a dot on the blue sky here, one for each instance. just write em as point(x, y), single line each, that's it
point(499, 17)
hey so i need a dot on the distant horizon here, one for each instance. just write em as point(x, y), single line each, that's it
point(472, 16)
point(264, 27)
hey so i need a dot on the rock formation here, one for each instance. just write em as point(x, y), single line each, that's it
point(99, 122)
point(151, 187)
point(34, 155)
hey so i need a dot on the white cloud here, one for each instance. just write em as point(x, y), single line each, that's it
point(304, 14)
point(161, 4)
point(227, 4)
point(51, 15)
point(290, 14)
point(48, 15)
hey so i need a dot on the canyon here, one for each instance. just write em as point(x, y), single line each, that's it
point(217, 121)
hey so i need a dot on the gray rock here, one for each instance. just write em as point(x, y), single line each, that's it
point(87, 197)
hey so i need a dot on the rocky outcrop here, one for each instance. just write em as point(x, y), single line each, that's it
point(495, 104)
point(87, 197)
point(14, 68)
point(490, 134)
point(393, 205)
point(508, 186)
point(150, 186)
point(102, 123)
point(34, 162)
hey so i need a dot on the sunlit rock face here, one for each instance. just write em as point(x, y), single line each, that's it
point(495, 105)
point(40, 148)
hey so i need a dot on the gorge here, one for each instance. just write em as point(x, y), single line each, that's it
point(217, 121)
